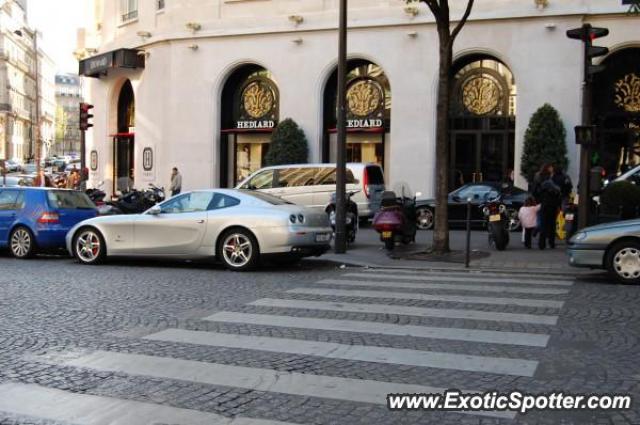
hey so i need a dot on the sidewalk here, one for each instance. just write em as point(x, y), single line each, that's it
point(368, 251)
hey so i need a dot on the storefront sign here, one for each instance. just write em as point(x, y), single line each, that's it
point(365, 104)
point(93, 160)
point(147, 159)
point(98, 66)
point(258, 105)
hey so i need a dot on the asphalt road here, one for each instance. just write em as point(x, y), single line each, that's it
point(183, 343)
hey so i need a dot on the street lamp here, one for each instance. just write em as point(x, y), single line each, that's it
point(341, 148)
point(38, 142)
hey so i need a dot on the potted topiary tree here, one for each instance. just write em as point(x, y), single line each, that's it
point(544, 142)
point(288, 145)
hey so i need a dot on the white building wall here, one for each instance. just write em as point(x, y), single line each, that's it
point(178, 93)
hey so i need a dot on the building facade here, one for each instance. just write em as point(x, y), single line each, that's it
point(67, 131)
point(19, 70)
point(201, 85)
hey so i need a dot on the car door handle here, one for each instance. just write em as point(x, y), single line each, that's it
point(199, 221)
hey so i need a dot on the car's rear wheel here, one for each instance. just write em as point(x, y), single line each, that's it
point(238, 250)
point(424, 218)
point(22, 243)
point(623, 262)
point(89, 246)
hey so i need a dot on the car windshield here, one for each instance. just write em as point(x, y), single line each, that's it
point(273, 200)
point(69, 200)
point(476, 192)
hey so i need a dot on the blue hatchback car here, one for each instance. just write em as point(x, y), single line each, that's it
point(34, 219)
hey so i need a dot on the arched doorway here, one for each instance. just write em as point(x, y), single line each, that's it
point(249, 114)
point(616, 112)
point(368, 114)
point(482, 121)
point(124, 140)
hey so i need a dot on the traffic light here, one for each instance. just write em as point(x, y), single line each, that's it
point(85, 116)
point(587, 34)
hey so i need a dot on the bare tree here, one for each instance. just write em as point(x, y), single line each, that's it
point(446, 37)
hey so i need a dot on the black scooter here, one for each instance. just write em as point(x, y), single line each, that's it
point(495, 213)
point(352, 215)
point(136, 201)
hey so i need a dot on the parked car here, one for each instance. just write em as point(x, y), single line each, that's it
point(236, 227)
point(512, 197)
point(12, 166)
point(612, 246)
point(311, 185)
point(23, 180)
point(29, 168)
point(33, 219)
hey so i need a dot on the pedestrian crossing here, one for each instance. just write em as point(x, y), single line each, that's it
point(327, 307)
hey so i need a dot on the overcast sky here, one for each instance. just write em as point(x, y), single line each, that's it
point(58, 21)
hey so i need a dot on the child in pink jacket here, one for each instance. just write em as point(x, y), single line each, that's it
point(528, 216)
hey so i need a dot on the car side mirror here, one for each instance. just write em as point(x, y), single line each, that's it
point(155, 210)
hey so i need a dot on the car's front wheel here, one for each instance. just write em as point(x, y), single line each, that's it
point(238, 250)
point(89, 246)
point(22, 243)
point(623, 262)
point(424, 218)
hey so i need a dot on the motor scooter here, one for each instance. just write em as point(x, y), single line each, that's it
point(396, 220)
point(495, 212)
point(136, 201)
point(96, 194)
point(351, 218)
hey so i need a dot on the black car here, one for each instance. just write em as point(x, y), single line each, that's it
point(479, 193)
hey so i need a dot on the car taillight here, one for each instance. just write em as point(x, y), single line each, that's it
point(365, 182)
point(49, 218)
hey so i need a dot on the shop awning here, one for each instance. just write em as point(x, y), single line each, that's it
point(98, 66)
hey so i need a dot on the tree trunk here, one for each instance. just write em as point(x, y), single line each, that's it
point(441, 228)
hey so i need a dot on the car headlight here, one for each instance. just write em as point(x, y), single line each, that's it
point(485, 211)
point(579, 237)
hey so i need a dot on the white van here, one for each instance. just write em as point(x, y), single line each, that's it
point(312, 184)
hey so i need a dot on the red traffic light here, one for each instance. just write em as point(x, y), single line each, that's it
point(85, 116)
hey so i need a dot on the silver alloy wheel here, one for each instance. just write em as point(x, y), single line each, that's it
point(237, 250)
point(626, 263)
point(88, 247)
point(424, 218)
point(21, 243)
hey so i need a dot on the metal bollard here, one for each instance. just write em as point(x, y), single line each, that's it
point(467, 254)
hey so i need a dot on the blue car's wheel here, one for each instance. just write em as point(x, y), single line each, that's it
point(22, 243)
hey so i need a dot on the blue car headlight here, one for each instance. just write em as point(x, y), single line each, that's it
point(579, 237)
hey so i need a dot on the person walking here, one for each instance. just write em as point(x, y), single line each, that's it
point(528, 216)
point(563, 181)
point(176, 182)
point(550, 199)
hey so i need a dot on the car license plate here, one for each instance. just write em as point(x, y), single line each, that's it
point(387, 235)
point(494, 217)
point(568, 217)
point(323, 237)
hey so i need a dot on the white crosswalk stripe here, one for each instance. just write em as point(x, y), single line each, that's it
point(512, 277)
point(530, 280)
point(302, 384)
point(83, 409)
point(398, 356)
point(386, 309)
point(456, 334)
point(446, 286)
point(526, 302)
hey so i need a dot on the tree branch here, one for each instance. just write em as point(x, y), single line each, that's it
point(462, 21)
point(433, 5)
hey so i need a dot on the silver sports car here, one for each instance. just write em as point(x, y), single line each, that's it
point(612, 246)
point(237, 227)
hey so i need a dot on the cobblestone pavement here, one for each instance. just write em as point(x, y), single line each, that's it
point(182, 343)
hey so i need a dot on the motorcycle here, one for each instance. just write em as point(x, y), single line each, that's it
point(96, 194)
point(497, 218)
point(351, 218)
point(396, 219)
point(136, 201)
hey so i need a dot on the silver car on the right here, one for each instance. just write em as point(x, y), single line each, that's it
point(612, 246)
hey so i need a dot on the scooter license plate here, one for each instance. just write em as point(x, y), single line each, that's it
point(387, 235)
point(494, 217)
point(323, 237)
point(568, 217)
